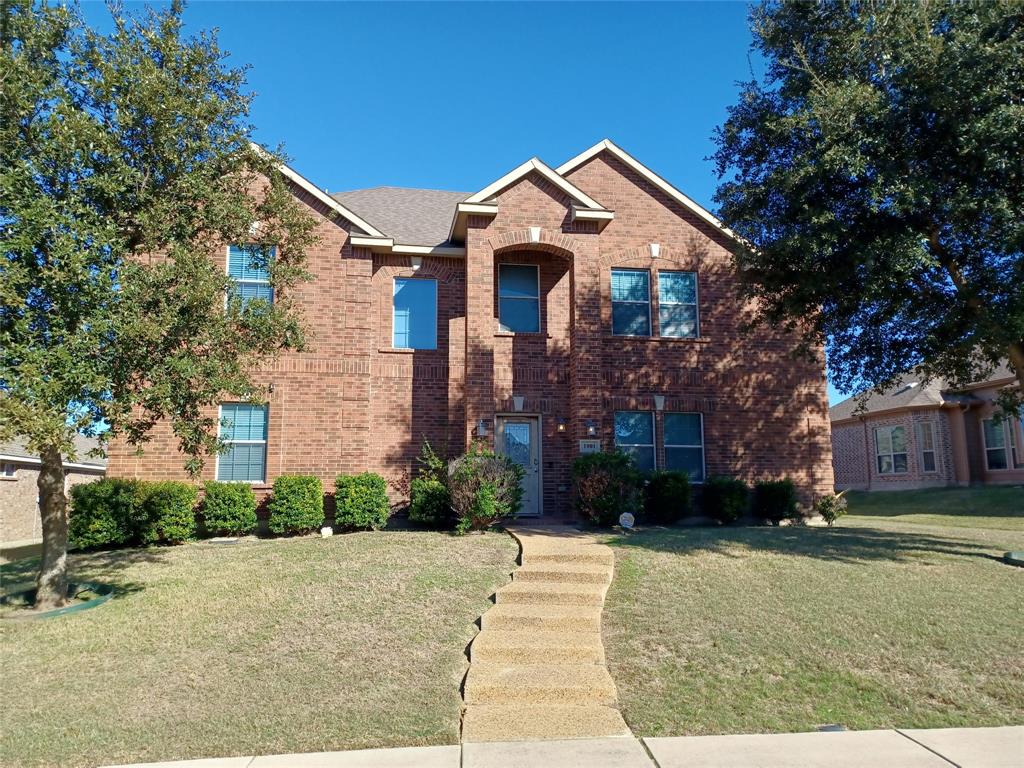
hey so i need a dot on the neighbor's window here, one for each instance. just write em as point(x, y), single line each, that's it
point(249, 268)
point(1016, 454)
point(244, 428)
point(415, 314)
point(926, 443)
point(995, 443)
point(631, 302)
point(634, 434)
point(677, 304)
point(891, 450)
point(519, 298)
point(8, 471)
point(684, 444)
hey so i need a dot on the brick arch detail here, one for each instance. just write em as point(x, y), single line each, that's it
point(642, 254)
point(401, 266)
point(554, 243)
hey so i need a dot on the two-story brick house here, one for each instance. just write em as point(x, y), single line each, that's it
point(556, 311)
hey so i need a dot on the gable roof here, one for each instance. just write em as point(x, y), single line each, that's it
point(537, 165)
point(83, 445)
point(409, 216)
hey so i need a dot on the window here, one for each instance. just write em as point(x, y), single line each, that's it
point(634, 434)
point(926, 444)
point(244, 428)
point(891, 450)
point(677, 304)
point(519, 298)
point(684, 444)
point(994, 434)
point(8, 471)
point(631, 302)
point(415, 314)
point(249, 268)
point(1016, 454)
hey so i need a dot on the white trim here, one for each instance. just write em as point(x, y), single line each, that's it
point(265, 443)
point(1007, 453)
point(589, 214)
point(382, 244)
point(703, 450)
point(650, 301)
point(11, 458)
point(531, 165)
point(540, 319)
point(651, 176)
point(893, 453)
point(394, 284)
point(479, 209)
point(237, 280)
point(696, 302)
point(921, 451)
point(429, 250)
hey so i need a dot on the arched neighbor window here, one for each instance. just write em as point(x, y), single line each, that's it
point(414, 322)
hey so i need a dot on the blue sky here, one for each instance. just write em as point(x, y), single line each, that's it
point(453, 95)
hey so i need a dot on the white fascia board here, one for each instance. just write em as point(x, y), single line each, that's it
point(588, 214)
point(384, 244)
point(531, 165)
point(38, 462)
point(457, 231)
point(429, 250)
point(651, 176)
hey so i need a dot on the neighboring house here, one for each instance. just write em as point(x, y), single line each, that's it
point(554, 312)
point(918, 435)
point(19, 494)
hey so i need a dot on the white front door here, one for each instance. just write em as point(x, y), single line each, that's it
point(518, 437)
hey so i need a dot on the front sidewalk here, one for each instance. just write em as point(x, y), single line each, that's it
point(934, 748)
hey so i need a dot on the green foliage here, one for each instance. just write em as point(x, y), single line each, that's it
point(831, 507)
point(429, 505)
point(877, 173)
point(483, 489)
point(606, 485)
point(228, 509)
point(296, 505)
point(167, 512)
point(361, 502)
point(115, 512)
point(667, 497)
point(724, 498)
point(774, 500)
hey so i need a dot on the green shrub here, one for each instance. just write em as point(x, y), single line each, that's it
point(667, 497)
point(831, 507)
point(724, 499)
point(483, 489)
point(296, 505)
point(362, 502)
point(775, 500)
point(228, 509)
point(104, 512)
point(606, 485)
point(428, 504)
point(167, 513)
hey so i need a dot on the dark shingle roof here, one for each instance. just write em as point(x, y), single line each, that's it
point(82, 445)
point(410, 216)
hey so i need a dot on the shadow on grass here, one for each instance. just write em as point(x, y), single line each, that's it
point(844, 545)
point(106, 567)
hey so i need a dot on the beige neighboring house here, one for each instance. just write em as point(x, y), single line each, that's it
point(19, 495)
point(918, 435)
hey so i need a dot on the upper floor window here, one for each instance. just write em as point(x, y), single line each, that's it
point(926, 444)
point(249, 268)
point(994, 433)
point(519, 298)
point(677, 304)
point(684, 444)
point(631, 302)
point(415, 314)
point(243, 427)
point(891, 450)
point(634, 434)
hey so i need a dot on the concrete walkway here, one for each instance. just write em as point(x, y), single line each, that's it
point(537, 667)
point(937, 748)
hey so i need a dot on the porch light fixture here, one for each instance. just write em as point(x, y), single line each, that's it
point(560, 425)
point(591, 428)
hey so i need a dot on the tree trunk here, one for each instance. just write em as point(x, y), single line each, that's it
point(1017, 358)
point(53, 509)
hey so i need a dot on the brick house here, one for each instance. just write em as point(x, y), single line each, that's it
point(556, 311)
point(922, 435)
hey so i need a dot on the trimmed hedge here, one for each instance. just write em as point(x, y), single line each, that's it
point(606, 485)
point(724, 499)
point(118, 512)
point(429, 505)
point(296, 505)
point(361, 502)
point(775, 500)
point(667, 497)
point(228, 509)
point(168, 513)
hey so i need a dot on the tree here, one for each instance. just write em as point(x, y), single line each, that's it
point(125, 163)
point(876, 172)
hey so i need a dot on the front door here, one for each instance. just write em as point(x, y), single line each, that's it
point(518, 437)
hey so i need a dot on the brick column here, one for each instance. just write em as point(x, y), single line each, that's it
point(480, 328)
point(360, 336)
point(587, 387)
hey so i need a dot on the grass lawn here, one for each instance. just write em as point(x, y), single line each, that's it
point(261, 647)
point(879, 622)
point(992, 507)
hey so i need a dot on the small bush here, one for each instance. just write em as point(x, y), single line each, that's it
point(667, 497)
point(103, 513)
point(361, 502)
point(429, 506)
point(167, 513)
point(483, 489)
point(724, 499)
point(296, 505)
point(775, 500)
point(229, 509)
point(606, 485)
point(831, 507)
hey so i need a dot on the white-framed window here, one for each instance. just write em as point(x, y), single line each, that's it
point(1016, 434)
point(891, 450)
point(243, 427)
point(926, 446)
point(519, 298)
point(996, 442)
point(631, 302)
point(414, 314)
point(249, 268)
point(8, 471)
point(634, 434)
point(677, 305)
point(684, 444)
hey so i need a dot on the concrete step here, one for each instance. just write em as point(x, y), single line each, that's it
point(517, 617)
point(568, 573)
point(546, 552)
point(549, 593)
point(533, 647)
point(518, 722)
point(539, 683)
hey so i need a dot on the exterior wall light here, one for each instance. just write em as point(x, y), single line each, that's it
point(481, 428)
point(415, 262)
point(560, 425)
point(591, 428)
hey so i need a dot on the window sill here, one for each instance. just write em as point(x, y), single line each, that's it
point(670, 339)
point(537, 334)
point(9, 478)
